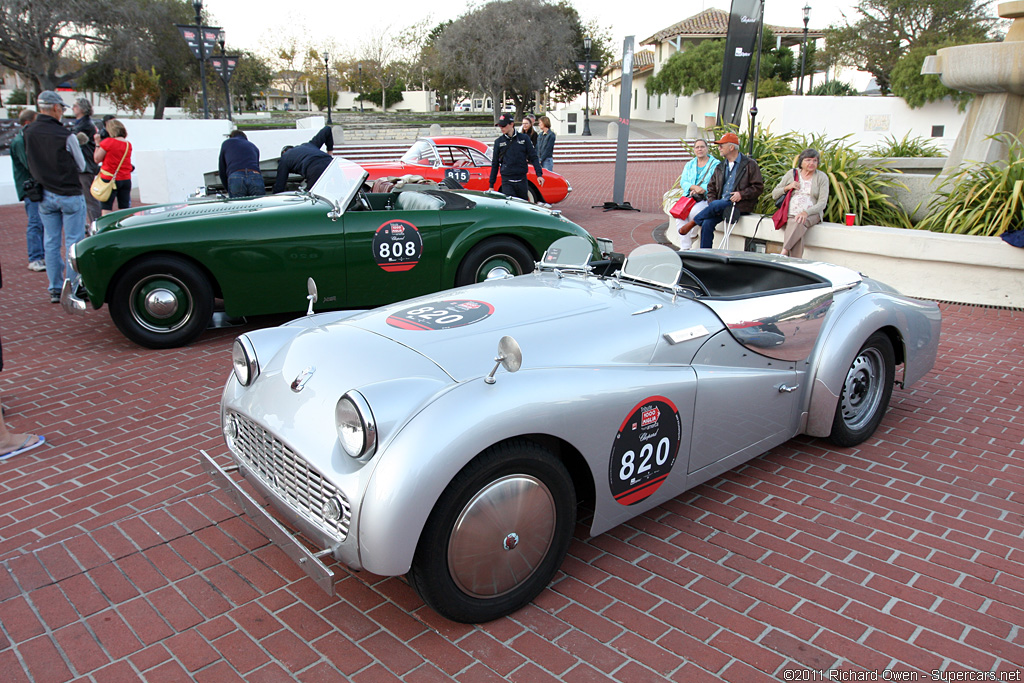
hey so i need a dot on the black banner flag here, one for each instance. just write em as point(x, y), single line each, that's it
point(191, 35)
point(740, 43)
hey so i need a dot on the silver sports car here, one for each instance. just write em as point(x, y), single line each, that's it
point(397, 441)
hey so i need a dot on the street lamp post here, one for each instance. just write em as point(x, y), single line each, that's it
point(360, 66)
point(803, 48)
point(327, 73)
point(198, 5)
point(223, 73)
point(586, 83)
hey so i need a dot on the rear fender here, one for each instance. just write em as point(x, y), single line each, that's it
point(913, 327)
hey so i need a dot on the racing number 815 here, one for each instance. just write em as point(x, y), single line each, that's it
point(629, 457)
point(386, 250)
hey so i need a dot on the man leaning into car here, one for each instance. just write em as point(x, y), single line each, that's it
point(513, 153)
point(306, 159)
point(239, 167)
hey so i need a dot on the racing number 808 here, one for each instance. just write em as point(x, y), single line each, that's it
point(386, 250)
point(629, 458)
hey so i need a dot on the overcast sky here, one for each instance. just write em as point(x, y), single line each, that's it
point(257, 24)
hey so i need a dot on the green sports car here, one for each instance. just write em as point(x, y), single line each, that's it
point(161, 268)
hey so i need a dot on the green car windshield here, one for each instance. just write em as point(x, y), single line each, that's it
point(340, 182)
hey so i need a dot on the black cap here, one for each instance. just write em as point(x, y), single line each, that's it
point(505, 120)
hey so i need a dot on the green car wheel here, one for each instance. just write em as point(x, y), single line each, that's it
point(492, 254)
point(162, 302)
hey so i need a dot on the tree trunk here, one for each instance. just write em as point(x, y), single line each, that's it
point(159, 105)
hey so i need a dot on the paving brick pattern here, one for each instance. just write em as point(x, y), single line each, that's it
point(119, 561)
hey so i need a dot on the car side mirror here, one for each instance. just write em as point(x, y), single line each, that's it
point(510, 356)
point(311, 297)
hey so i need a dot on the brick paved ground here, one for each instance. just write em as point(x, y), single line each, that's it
point(118, 561)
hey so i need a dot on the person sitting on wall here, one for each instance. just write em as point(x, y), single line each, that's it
point(734, 187)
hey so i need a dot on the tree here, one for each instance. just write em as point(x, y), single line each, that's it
point(449, 84)
point(134, 91)
point(288, 58)
point(378, 56)
point(252, 78)
point(568, 84)
point(535, 44)
point(888, 29)
point(916, 88)
point(47, 40)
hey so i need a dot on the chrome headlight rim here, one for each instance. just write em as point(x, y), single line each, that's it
point(244, 364)
point(363, 447)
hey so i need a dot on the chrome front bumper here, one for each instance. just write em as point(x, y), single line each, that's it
point(281, 537)
point(68, 301)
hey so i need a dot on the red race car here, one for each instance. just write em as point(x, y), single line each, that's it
point(465, 160)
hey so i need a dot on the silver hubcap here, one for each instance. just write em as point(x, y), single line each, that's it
point(862, 391)
point(160, 303)
point(502, 535)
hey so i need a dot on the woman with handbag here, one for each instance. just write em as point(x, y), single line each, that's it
point(808, 200)
point(115, 155)
point(694, 181)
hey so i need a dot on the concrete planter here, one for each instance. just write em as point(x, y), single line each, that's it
point(929, 265)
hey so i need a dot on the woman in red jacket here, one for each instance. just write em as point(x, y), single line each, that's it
point(115, 155)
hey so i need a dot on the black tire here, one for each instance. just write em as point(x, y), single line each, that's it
point(534, 195)
point(503, 252)
point(161, 302)
point(866, 392)
point(497, 535)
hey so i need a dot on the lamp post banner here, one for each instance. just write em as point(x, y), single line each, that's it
point(740, 42)
point(625, 104)
point(191, 35)
point(225, 65)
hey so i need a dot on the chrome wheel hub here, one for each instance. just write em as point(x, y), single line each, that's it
point(161, 303)
point(862, 390)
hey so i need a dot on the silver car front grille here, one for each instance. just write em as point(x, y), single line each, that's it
point(302, 487)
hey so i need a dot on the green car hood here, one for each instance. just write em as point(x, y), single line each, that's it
point(165, 213)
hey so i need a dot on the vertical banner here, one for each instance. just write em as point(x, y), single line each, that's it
point(740, 43)
point(625, 105)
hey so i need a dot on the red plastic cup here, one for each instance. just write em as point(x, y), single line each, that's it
point(850, 218)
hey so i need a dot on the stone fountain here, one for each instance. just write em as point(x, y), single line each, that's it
point(995, 73)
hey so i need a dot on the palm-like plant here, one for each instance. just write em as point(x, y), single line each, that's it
point(907, 147)
point(981, 199)
point(853, 188)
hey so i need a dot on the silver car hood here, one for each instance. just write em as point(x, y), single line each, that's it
point(558, 322)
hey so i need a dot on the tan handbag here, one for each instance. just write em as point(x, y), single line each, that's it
point(102, 189)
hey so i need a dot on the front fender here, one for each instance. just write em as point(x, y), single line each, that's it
point(912, 325)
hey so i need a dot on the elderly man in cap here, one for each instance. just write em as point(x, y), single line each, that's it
point(55, 160)
point(732, 191)
point(513, 153)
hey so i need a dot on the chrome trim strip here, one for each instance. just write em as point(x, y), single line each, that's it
point(689, 333)
point(273, 530)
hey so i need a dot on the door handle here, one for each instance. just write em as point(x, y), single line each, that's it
point(787, 389)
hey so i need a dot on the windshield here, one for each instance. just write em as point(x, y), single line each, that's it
point(568, 253)
point(340, 182)
point(653, 263)
point(421, 154)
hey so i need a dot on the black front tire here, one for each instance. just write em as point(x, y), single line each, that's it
point(497, 252)
point(497, 534)
point(534, 195)
point(866, 392)
point(161, 302)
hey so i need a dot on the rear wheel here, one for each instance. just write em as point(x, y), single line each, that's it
point(534, 194)
point(497, 252)
point(497, 534)
point(161, 302)
point(866, 392)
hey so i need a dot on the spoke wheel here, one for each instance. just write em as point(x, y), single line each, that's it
point(866, 392)
point(497, 534)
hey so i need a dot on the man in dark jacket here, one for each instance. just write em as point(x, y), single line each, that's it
point(55, 160)
point(19, 164)
point(306, 159)
point(239, 167)
point(732, 191)
point(513, 153)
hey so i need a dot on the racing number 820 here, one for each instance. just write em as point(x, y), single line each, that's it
point(438, 315)
point(629, 457)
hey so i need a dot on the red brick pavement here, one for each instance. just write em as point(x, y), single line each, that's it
point(119, 561)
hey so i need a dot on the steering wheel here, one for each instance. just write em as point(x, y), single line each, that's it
point(360, 202)
point(696, 281)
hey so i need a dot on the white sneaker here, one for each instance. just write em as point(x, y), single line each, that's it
point(37, 265)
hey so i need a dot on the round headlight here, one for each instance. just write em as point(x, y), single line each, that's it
point(243, 361)
point(356, 429)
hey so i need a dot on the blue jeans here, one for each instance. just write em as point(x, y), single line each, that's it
point(60, 213)
point(548, 164)
point(246, 184)
point(717, 211)
point(34, 231)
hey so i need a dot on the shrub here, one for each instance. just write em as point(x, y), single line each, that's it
point(832, 88)
point(17, 96)
point(981, 199)
point(907, 147)
point(853, 188)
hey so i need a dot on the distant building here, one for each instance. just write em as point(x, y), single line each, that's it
point(655, 50)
